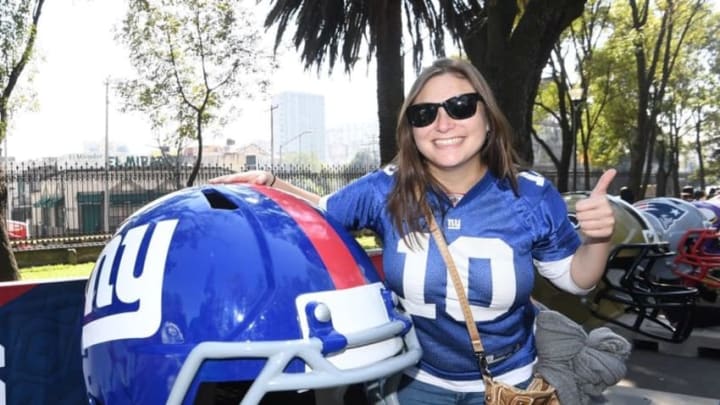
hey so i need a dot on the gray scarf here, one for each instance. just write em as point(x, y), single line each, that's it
point(577, 364)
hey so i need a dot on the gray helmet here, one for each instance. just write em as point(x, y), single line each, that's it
point(671, 218)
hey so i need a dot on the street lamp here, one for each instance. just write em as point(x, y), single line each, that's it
point(576, 97)
point(7, 179)
point(272, 136)
point(106, 194)
point(298, 137)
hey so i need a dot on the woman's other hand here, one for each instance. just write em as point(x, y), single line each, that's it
point(252, 176)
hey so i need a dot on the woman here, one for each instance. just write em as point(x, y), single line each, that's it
point(455, 157)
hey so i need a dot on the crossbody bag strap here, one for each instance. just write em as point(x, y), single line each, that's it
point(462, 297)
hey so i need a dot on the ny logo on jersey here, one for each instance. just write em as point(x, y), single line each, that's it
point(454, 223)
point(121, 303)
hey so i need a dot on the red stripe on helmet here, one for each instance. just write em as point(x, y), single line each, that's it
point(11, 291)
point(338, 260)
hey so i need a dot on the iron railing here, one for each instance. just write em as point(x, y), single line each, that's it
point(70, 200)
point(80, 199)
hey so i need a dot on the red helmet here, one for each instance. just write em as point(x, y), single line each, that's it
point(698, 258)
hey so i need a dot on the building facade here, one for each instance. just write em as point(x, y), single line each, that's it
point(298, 126)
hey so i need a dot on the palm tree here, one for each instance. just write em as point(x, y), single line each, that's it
point(509, 41)
point(326, 29)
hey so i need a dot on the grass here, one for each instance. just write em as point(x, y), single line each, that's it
point(84, 269)
point(56, 271)
point(367, 242)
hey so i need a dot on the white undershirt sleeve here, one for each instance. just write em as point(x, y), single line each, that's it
point(558, 272)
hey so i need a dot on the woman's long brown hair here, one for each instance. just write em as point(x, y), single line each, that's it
point(407, 203)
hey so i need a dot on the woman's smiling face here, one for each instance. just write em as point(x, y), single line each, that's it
point(450, 144)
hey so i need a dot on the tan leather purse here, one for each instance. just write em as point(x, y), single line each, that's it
point(539, 392)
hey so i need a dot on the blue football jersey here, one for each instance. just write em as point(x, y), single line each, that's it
point(493, 236)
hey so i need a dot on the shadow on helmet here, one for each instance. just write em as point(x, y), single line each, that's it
point(241, 287)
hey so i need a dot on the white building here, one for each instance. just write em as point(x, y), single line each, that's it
point(298, 125)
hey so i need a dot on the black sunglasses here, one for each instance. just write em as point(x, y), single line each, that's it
point(458, 107)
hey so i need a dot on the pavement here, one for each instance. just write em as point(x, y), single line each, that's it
point(670, 373)
point(697, 376)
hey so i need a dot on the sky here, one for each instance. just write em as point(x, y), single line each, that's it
point(77, 54)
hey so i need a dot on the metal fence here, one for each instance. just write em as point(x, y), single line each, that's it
point(71, 200)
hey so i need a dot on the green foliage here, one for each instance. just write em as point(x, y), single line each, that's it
point(328, 31)
point(613, 71)
point(303, 161)
point(367, 242)
point(18, 30)
point(15, 30)
point(195, 60)
point(364, 158)
point(614, 82)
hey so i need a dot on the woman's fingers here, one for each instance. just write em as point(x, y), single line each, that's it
point(252, 177)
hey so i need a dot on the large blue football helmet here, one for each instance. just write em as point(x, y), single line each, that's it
point(235, 283)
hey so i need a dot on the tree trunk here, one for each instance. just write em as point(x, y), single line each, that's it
point(638, 148)
point(512, 54)
point(8, 265)
point(662, 174)
point(198, 159)
point(698, 150)
point(389, 75)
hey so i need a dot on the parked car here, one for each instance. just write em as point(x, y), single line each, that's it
point(18, 230)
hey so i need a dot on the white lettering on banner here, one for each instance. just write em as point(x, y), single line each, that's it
point(145, 289)
point(139, 161)
point(2, 383)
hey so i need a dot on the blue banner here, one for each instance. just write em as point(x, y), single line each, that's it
point(40, 324)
